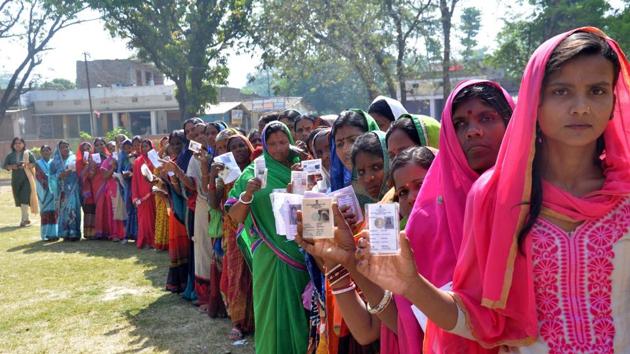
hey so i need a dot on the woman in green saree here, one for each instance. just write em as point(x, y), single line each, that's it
point(21, 163)
point(278, 269)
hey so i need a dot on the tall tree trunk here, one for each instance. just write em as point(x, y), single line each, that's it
point(181, 97)
point(400, 70)
point(446, 18)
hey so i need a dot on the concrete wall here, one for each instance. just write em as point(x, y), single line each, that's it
point(104, 99)
point(120, 72)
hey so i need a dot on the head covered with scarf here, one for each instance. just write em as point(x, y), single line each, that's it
point(435, 225)
point(340, 176)
point(501, 307)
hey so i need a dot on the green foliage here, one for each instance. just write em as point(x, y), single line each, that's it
point(471, 21)
point(618, 27)
point(373, 38)
point(259, 83)
point(186, 40)
point(36, 151)
point(57, 84)
point(519, 38)
point(111, 135)
point(85, 136)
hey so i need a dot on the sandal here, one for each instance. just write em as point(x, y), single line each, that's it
point(235, 334)
point(203, 308)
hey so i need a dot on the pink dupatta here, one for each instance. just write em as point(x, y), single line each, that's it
point(500, 308)
point(435, 224)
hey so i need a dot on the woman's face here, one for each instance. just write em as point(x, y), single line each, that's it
point(322, 149)
point(398, 141)
point(382, 121)
point(176, 145)
point(303, 128)
point(344, 139)
point(479, 130)
point(240, 150)
point(18, 145)
point(211, 133)
point(407, 181)
point(111, 147)
point(221, 146)
point(370, 173)
point(99, 146)
point(127, 148)
point(86, 147)
point(46, 152)
point(255, 140)
point(189, 129)
point(64, 150)
point(577, 103)
point(137, 144)
point(146, 147)
point(278, 146)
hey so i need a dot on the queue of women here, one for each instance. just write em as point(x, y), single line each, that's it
point(514, 235)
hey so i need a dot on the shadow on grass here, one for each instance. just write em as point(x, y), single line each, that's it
point(156, 262)
point(166, 325)
point(9, 228)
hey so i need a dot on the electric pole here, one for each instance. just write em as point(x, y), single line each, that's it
point(87, 76)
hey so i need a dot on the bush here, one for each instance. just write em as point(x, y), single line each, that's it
point(36, 152)
point(85, 136)
point(111, 135)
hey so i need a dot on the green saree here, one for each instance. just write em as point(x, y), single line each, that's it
point(278, 269)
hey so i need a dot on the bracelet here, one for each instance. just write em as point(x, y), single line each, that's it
point(336, 274)
point(240, 199)
point(387, 298)
point(339, 278)
point(347, 289)
point(328, 273)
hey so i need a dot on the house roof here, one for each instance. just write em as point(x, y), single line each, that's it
point(222, 107)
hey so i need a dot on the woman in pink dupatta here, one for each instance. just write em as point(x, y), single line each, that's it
point(543, 264)
point(105, 190)
point(435, 225)
point(142, 197)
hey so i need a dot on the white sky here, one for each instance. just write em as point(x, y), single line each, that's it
point(91, 37)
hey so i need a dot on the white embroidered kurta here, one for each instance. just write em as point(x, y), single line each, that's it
point(582, 287)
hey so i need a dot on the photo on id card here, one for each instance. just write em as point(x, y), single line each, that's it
point(317, 218)
point(260, 172)
point(299, 180)
point(194, 146)
point(383, 225)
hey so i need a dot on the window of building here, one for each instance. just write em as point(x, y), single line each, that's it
point(140, 123)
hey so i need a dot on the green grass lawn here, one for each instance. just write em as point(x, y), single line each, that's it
point(4, 174)
point(94, 296)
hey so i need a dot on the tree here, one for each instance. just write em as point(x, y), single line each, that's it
point(520, 37)
point(407, 18)
point(618, 26)
point(260, 83)
point(447, 8)
point(57, 84)
point(186, 40)
point(326, 82)
point(471, 20)
point(33, 23)
point(373, 37)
